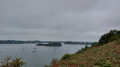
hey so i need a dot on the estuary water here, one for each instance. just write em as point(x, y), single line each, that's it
point(36, 56)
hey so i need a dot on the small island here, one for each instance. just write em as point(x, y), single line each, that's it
point(50, 44)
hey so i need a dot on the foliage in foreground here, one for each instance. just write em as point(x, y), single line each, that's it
point(7, 62)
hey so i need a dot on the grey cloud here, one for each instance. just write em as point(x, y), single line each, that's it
point(80, 20)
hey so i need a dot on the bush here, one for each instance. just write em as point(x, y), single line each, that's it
point(114, 37)
point(86, 47)
point(54, 61)
point(109, 37)
point(7, 62)
point(95, 44)
point(66, 56)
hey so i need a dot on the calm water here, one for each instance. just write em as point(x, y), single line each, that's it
point(36, 56)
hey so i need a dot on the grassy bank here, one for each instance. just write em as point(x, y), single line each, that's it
point(104, 53)
point(107, 55)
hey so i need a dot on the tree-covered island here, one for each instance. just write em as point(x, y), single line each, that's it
point(50, 44)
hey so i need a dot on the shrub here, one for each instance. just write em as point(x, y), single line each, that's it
point(7, 62)
point(95, 44)
point(66, 56)
point(54, 61)
point(108, 37)
point(86, 47)
point(114, 37)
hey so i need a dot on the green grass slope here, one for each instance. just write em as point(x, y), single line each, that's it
point(104, 53)
point(107, 55)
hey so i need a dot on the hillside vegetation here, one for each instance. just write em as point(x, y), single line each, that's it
point(104, 53)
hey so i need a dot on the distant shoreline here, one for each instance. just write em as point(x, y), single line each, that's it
point(36, 42)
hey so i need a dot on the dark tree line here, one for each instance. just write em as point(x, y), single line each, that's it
point(108, 37)
point(17, 42)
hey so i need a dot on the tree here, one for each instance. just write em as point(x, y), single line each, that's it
point(108, 37)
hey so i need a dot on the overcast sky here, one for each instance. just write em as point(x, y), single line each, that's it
point(72, 20)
